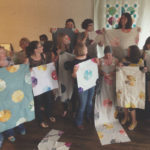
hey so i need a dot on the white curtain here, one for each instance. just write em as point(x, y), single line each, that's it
point(142, 18)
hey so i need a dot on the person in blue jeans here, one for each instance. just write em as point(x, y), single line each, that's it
point(85, 97)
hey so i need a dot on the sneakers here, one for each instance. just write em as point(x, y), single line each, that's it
point(132, 126)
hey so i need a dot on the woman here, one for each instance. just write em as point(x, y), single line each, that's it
point(133, 59)
point(124, 37)
point(85, 97)
point(105, 97)
point(64, 75)
point(37, 58)
point(4, 62)
point(88, 26)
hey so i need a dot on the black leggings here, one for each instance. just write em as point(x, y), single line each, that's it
point(45, 100)
point(74, 101)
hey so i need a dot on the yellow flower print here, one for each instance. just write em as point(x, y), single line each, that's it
point(108, 126)
point(127, 105)
point(130, 80)
point(100, 135)
point(130, 105)
point(42, 67)
point(133, 105)
point(2, 85)
point(119, 92)
point(5, 115)
point(17, 96)
point(12, 69)
point(142, 95)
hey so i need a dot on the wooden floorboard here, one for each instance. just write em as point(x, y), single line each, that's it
point(81, 140)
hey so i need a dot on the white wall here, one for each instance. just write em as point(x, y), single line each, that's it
point(30, 18)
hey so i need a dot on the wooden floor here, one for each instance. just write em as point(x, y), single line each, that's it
point(81, 140)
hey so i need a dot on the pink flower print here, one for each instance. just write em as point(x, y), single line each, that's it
point(122, 131)
point(107, 103)
point(108, 79)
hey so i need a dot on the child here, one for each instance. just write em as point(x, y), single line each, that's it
point(85, 98)
point(133, 59)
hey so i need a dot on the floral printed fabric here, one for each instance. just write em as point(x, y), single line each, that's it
point(50, 141)
point(114, 9)
point(16, 98)
point(130, 87)
point(87, 76)
point(44, 78)
point(107, 126)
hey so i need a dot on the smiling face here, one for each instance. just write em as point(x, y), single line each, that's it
point(108, 55)
point(39, 48)
point(66, 40)
point(124, 20)
point(70, 25)
point(90, 27)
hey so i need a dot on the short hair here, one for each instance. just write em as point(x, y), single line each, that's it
point(85, 23)
point(44, 36)
point(107, 49)
point(79, 49)
point(70, 20)
point(23, 40)
point(135, 54)
point(129, 21)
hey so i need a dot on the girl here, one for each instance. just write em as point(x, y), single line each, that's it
point(64, 75)
point(37, 58)
point(133, 59)
point(85, 98)
point(4, 62)
point(105, 99)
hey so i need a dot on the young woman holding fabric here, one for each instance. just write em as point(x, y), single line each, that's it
point(85, 97)
point(37, 58)
point(133, 59)
point(10, 134)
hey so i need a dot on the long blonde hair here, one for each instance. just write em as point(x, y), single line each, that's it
point(60, 43)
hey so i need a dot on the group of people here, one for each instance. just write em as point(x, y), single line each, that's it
point(41, 52)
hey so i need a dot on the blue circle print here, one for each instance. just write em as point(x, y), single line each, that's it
point(88, 74)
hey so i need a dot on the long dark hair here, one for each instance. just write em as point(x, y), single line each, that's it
point(129, 21)
point(135, 54)
point(30, 49)
point(147, 42)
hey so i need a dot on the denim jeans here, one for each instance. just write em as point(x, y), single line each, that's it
point(1, 139)
point(11, 132)
point(85, 100)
